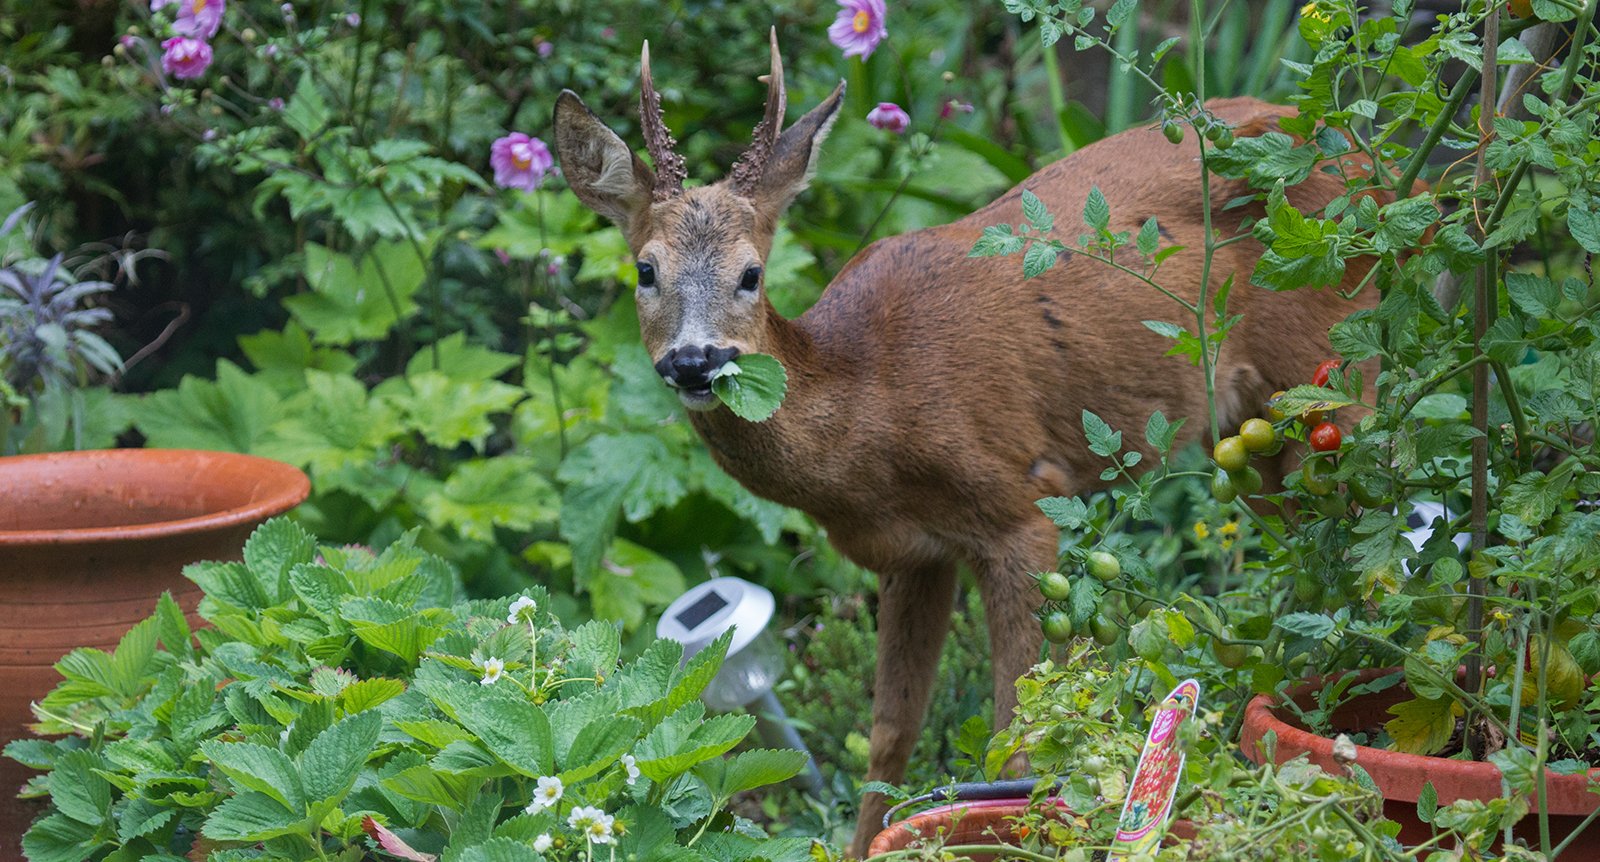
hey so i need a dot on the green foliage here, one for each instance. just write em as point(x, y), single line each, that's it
point(839, 650)
point(1333, 582)
point(49, 351)
point(343, 702)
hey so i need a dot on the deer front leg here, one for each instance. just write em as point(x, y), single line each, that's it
point(914, 605)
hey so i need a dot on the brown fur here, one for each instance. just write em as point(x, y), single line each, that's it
point(933, 397)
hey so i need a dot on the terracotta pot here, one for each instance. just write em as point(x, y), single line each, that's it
point(89, 541)
point(1401, 777)
point(987, 822)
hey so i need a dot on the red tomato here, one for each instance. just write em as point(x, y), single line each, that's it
point(1326, 437)
point(1320, 376)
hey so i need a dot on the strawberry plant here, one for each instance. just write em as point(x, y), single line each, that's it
point(341, 704)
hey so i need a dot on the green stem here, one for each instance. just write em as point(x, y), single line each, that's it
point(1087, 252)
point(1484, 306)
point(1417, 396)
point(1058, 97)
point(1197, 40)
point(555, 383)
point(1446, 117)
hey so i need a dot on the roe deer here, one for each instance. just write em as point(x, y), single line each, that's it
point(933, 397)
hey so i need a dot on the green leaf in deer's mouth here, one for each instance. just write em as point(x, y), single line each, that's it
point(753, 386)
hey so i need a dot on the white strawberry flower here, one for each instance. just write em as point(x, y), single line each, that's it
point(543, 842)
point(493, 669)
point(601, 830)
point(546, 794)
point(630, 764)
point(522, 610)
point(596, 825)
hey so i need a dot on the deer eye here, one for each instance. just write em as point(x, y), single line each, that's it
point(751, 278)
point(647, 274)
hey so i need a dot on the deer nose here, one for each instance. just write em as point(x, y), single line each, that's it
point(692, 366)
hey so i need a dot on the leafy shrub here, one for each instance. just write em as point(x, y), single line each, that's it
point(1494, 637)
point(50, 353)
point(836, 656)
point(341, 702)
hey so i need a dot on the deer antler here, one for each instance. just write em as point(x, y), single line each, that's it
point(662, 146)
point(747, 171)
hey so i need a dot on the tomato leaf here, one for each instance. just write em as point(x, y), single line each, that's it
point(1421, 726)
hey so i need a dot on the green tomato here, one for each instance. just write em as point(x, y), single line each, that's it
point(1246, 481)
point(1230, 454)
point(1104, 566)
point(1057, 626)
point(1307, 589)
point(1230, 655)
point(1316, 476)
point(1105, 630)
point(1222, 488)
point(1055, 586)
point(1173, 130)
point(1258, 435)
point(1330, 506)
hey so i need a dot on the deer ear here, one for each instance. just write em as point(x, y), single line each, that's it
point(605, 175)
point(794, 157)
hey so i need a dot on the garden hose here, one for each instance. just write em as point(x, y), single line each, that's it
point(966, 791)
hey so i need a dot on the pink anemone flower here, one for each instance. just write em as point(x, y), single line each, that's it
point(859, 27)
point(519, 162)
point(889, 117)
point(185, 58)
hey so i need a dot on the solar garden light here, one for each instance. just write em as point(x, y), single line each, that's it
point(754, 662)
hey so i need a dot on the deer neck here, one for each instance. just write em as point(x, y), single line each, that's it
point(775, 458)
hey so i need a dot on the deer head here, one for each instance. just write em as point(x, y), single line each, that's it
point(700, 251)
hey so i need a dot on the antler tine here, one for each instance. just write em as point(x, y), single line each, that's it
point(747, 171)
point(662, 146)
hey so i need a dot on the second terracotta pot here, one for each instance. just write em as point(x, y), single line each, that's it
point(1401, 777)
point(981, 822)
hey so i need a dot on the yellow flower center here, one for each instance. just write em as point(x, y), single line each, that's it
point(860, 23)
point(522, 156)
point(200, 6)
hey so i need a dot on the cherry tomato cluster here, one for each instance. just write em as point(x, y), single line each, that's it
point(1057, 589)
point(1234, 475)
point(1232, 455)
point(1214, 130)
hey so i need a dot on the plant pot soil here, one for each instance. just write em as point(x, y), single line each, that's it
point(986, 822)
point(89, 541)
point(1401, 777)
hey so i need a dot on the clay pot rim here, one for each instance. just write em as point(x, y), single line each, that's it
point(932, 818)
point(285, 486)
point(1262, 715)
